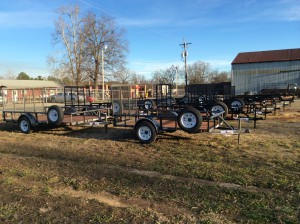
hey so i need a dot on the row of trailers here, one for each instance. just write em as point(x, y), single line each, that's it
point(147, 120)
point(195, 112)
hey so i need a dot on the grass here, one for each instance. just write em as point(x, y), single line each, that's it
point(83, 175)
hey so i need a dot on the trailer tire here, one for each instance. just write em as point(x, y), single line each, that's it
point(145, 132)
point(170, 101)
point(149, 104)
point(190, 120)
point(117, 107)
point(237, 103)
point(55, 115)
point(219, 107)
point(24, 125)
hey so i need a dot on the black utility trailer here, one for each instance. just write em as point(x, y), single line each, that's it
point(213, 98)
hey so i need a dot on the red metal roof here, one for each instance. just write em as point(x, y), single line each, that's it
point(267, 56)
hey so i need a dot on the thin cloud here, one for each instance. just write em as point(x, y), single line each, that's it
point(29, 19)
point(147, 68)
point(219, 64)
point(291, 14)
point(143, 22)
point(280, 10)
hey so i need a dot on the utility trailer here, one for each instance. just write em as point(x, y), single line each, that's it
point(124, 111)
point(288, 90)
point(265, 103)
point(31, 111)
point(217, 97)
point(150, 120)
point(213, 98)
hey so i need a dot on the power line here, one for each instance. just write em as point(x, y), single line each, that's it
point(114, 14)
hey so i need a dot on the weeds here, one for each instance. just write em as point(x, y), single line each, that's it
point(8, 212)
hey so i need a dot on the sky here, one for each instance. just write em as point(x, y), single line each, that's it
point(217, 30)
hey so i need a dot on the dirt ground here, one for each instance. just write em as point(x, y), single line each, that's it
point(84, 175)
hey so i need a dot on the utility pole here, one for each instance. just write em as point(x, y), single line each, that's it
point(184, 54)
point(102, 61)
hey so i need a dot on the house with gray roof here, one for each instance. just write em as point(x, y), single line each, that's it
point(21, 84)
point(19, 90)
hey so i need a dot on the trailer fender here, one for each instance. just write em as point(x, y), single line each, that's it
point(31, 118)
point(155, 123)
point(174, 113)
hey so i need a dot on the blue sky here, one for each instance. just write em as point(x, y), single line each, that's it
point(217, 29)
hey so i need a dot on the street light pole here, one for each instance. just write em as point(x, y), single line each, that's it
point(105, 47)
point(176, 80)
point(176, 77)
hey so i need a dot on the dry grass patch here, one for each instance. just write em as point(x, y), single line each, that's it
point(82, 175)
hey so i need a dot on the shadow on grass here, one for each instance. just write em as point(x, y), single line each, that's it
point(100, 133)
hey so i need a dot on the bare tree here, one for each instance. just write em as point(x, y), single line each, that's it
point(198, 72)
point(126, 76)
point(10, 74)
point(122, 75)
point(69, 34)
point(101, 32)
point(217, 77)
point(170, 75)
point(164, 76)
point(137, 79)
point(83, 40)
point(158, 77)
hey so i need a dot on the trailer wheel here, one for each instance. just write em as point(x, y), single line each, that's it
point(190, 120)
point(55, 115)
point(145, 132)
point(24, 125)
point(237, 103)
point(185, 99)
point(219, 107)
point(117, 107)
point(170, 101)
point(149, 104)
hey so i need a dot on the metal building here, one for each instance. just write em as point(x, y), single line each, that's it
point(254, 71)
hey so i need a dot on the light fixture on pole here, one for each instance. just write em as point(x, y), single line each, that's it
point(105, 47)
